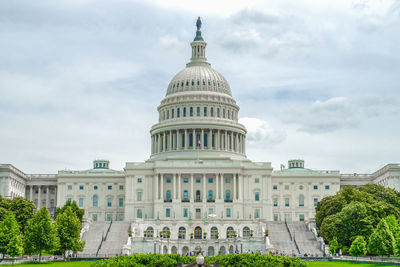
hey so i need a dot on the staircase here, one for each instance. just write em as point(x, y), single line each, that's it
point(280, 238)
point(93, 238)
point(305, 239)
point(116, 239)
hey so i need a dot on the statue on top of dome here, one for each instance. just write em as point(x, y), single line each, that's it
point(198, 32)
point(198, 24)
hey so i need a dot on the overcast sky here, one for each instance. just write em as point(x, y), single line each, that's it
point(316, 80)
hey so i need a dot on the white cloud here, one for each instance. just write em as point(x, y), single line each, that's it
point(260, 133)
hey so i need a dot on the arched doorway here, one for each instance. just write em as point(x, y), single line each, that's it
point(210, 251)
point(222, 250)
point(174, 250)
point(165, 250)
point(231, 250)
point(185, 250)
point(198, 233)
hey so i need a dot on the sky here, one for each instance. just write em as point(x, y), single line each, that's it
point(315, 80)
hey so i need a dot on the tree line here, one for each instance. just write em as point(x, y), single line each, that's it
point(24, 232)
point(360, 221)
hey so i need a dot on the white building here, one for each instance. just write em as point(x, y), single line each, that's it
point(198, 182)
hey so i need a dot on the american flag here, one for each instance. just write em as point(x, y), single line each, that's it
point(199, 143)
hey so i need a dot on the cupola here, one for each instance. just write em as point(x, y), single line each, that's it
point(101, 164)
point(296, 163)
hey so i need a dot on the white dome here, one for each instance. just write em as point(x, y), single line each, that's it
point(199, 78)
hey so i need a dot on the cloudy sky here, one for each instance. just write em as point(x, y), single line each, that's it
point(316, 80)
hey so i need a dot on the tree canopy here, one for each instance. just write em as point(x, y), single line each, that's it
point(20, 207)
point(10, 237)
point(79, 212)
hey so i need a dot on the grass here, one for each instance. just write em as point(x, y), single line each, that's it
point(338, 264)
point(63, 264)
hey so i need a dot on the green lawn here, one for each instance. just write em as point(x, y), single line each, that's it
point(63, 264)
point(339, 264)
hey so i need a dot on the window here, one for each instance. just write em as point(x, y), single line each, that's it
point(168, 195)
point(257, 196)
point(256, 180)
point(172, 113)
point(168, 212)
point(301, 187)
point(275, 200)
point(227, 180)
point(139, 213)
point(301, 217)
point(228, 195)
point(70, 187)
point(81, 202)
point(139, 180)
point(182, 233)
point(315, 187)
point(205, 111)
point(95, 187)
point(185, 195)
point(214, 231)
point(257, 214)
point(198, 180)
point(210, 211)
point(286, 187)
point(139, 196)
point(185, 212)
point(168, 180)
point(212, 112)
point(287, 202)
point(95, 200)
point(121, 217)
point(168, 114)
point(150, 232)
point(315, 202)
point(276, 217)
point(326, 187)
point(121, 187)
point(210, 180)
point(197, 195)
point(94, 217)
point(301, 200)
point(184, 112)
point(185, 180)
point(109, 187)
point(275, 187)
point(191, 111)
point(246, 231)
point(210, 195)
point(109, 217)
point(178, 112)
point(121, 202)
point(109, 202)
point(198, 112)
point(81, 187)
point(218, 112)
point(205, 140)
point(228, 212)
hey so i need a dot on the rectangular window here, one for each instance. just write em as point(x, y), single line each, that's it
point(81, 187)
point(168, 180)
point(185, 212)
point(109, 202)
point(276, 217)
point(326, 187)
point(228, 212)
point(184, 112)
point(121, 217)
point(139, 180)
point(109, 217)
point(275, 187)
point(197, 180)
point(286, 202)
point(275, 202)
point(256, 180)
point(301, 217)
point(139, 196)
point(210, 180)
point(168, 212)
point(81, 202)
point(185, 180)
point(210, 211)
point(172, 113)
point(198, 111)
point(205, 111)
point(121, 202)
point(191, 112)
point(109, 187)
point(94, 217)
point(212, 112)
point(257, 196)
point(70, 187)
point(227, 180)
point(315, 187)
point(178, 112)
point(121, 187)
point(315, 202)
point(257, 214)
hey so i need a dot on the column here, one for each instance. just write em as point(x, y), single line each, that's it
point(165, 141)
point(240, 187)
point(231, 148)
point(38, 205)
point(170, 140)
point(204, 188)
point(159, 142)
point(55, 196)
point(222, 186)
point(244, 144)
point(194, 139)
point(217, 144)
point(202, 139)
point(191, 188)
point(209, 143)
point(174, 194)
point(178, 141)
point(30, 193)
point(156, 187)
point(179, 186)
point(226, 141)
point(186, 139)
point(234, 186)
point(237, 143)
point(162, 187)
point(47, 196)
point(216, 186)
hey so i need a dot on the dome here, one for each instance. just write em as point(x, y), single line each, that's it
point(199, 78)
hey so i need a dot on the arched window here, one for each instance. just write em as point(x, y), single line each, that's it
point(246, 231)
point(182, 233)
point(228, 195)
point(214, 233)
point(168, 196)
point(210, 195)
point(197, 195)
point(95, 201)
point(185, 195)
point(165, 232)
point(149, 232)
point(230, 232)
point(301, 200)
point(139, 213)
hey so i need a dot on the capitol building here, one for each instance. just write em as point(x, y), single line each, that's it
point(198, 183)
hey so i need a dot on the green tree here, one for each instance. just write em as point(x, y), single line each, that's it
point(329, 228)
point(394, 227)
point(381, 241)
point(333, 246)
point(358, 247)
point(10, 237)
point(22, 209)
point(3, 213)
point(40, 234)
point(79, 212)
point(68, 230)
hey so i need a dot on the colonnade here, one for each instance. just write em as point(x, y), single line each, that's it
point(189, 139)
point(49, 203)
point(219, 186)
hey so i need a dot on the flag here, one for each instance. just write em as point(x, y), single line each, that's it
point(199, 143)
